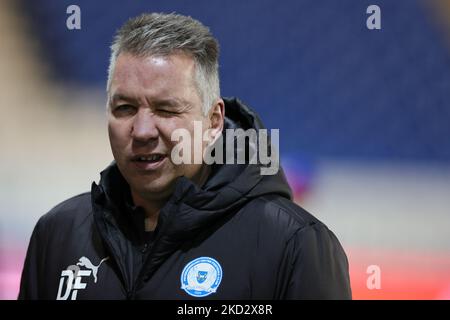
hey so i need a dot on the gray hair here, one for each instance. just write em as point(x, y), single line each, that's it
point(165, 34)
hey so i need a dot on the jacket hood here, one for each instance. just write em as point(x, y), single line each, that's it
point(191, 208)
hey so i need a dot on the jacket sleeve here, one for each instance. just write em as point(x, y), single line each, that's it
point(32, 270)
point(318, 266)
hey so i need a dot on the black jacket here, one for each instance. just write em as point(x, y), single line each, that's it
point(238, 237)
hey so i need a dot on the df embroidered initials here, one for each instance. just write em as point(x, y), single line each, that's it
point(71, 278)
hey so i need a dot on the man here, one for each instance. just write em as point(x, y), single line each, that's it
point(155, 228)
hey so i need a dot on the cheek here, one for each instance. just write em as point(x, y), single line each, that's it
point(166, 128)
point(117, 135)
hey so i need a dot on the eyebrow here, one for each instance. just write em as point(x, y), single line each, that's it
point(171, 102)
point(119, 96)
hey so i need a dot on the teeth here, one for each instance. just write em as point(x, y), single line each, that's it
point(150, 158)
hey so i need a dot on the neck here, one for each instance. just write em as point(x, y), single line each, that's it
point(153, 206)
point(151, 209)
point(201, 177)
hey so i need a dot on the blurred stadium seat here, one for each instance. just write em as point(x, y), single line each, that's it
point(363, 116)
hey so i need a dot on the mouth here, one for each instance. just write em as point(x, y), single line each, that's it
point(148, 161)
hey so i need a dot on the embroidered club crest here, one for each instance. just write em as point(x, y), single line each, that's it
point(201, 277)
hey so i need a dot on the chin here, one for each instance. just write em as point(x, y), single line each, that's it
point(155, 186)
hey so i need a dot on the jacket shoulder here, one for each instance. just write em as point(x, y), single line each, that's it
point(280, 210)
point(315, 264)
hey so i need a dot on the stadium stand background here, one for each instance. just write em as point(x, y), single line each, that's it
point(363, 116)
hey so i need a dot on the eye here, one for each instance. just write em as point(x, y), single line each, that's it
point(124, 109)
point(167, 112)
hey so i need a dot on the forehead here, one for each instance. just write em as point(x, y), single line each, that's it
point(159, 76)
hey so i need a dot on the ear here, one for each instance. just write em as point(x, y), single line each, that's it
point(216, 117)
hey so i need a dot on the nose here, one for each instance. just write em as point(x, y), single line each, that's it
point(144, 127)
